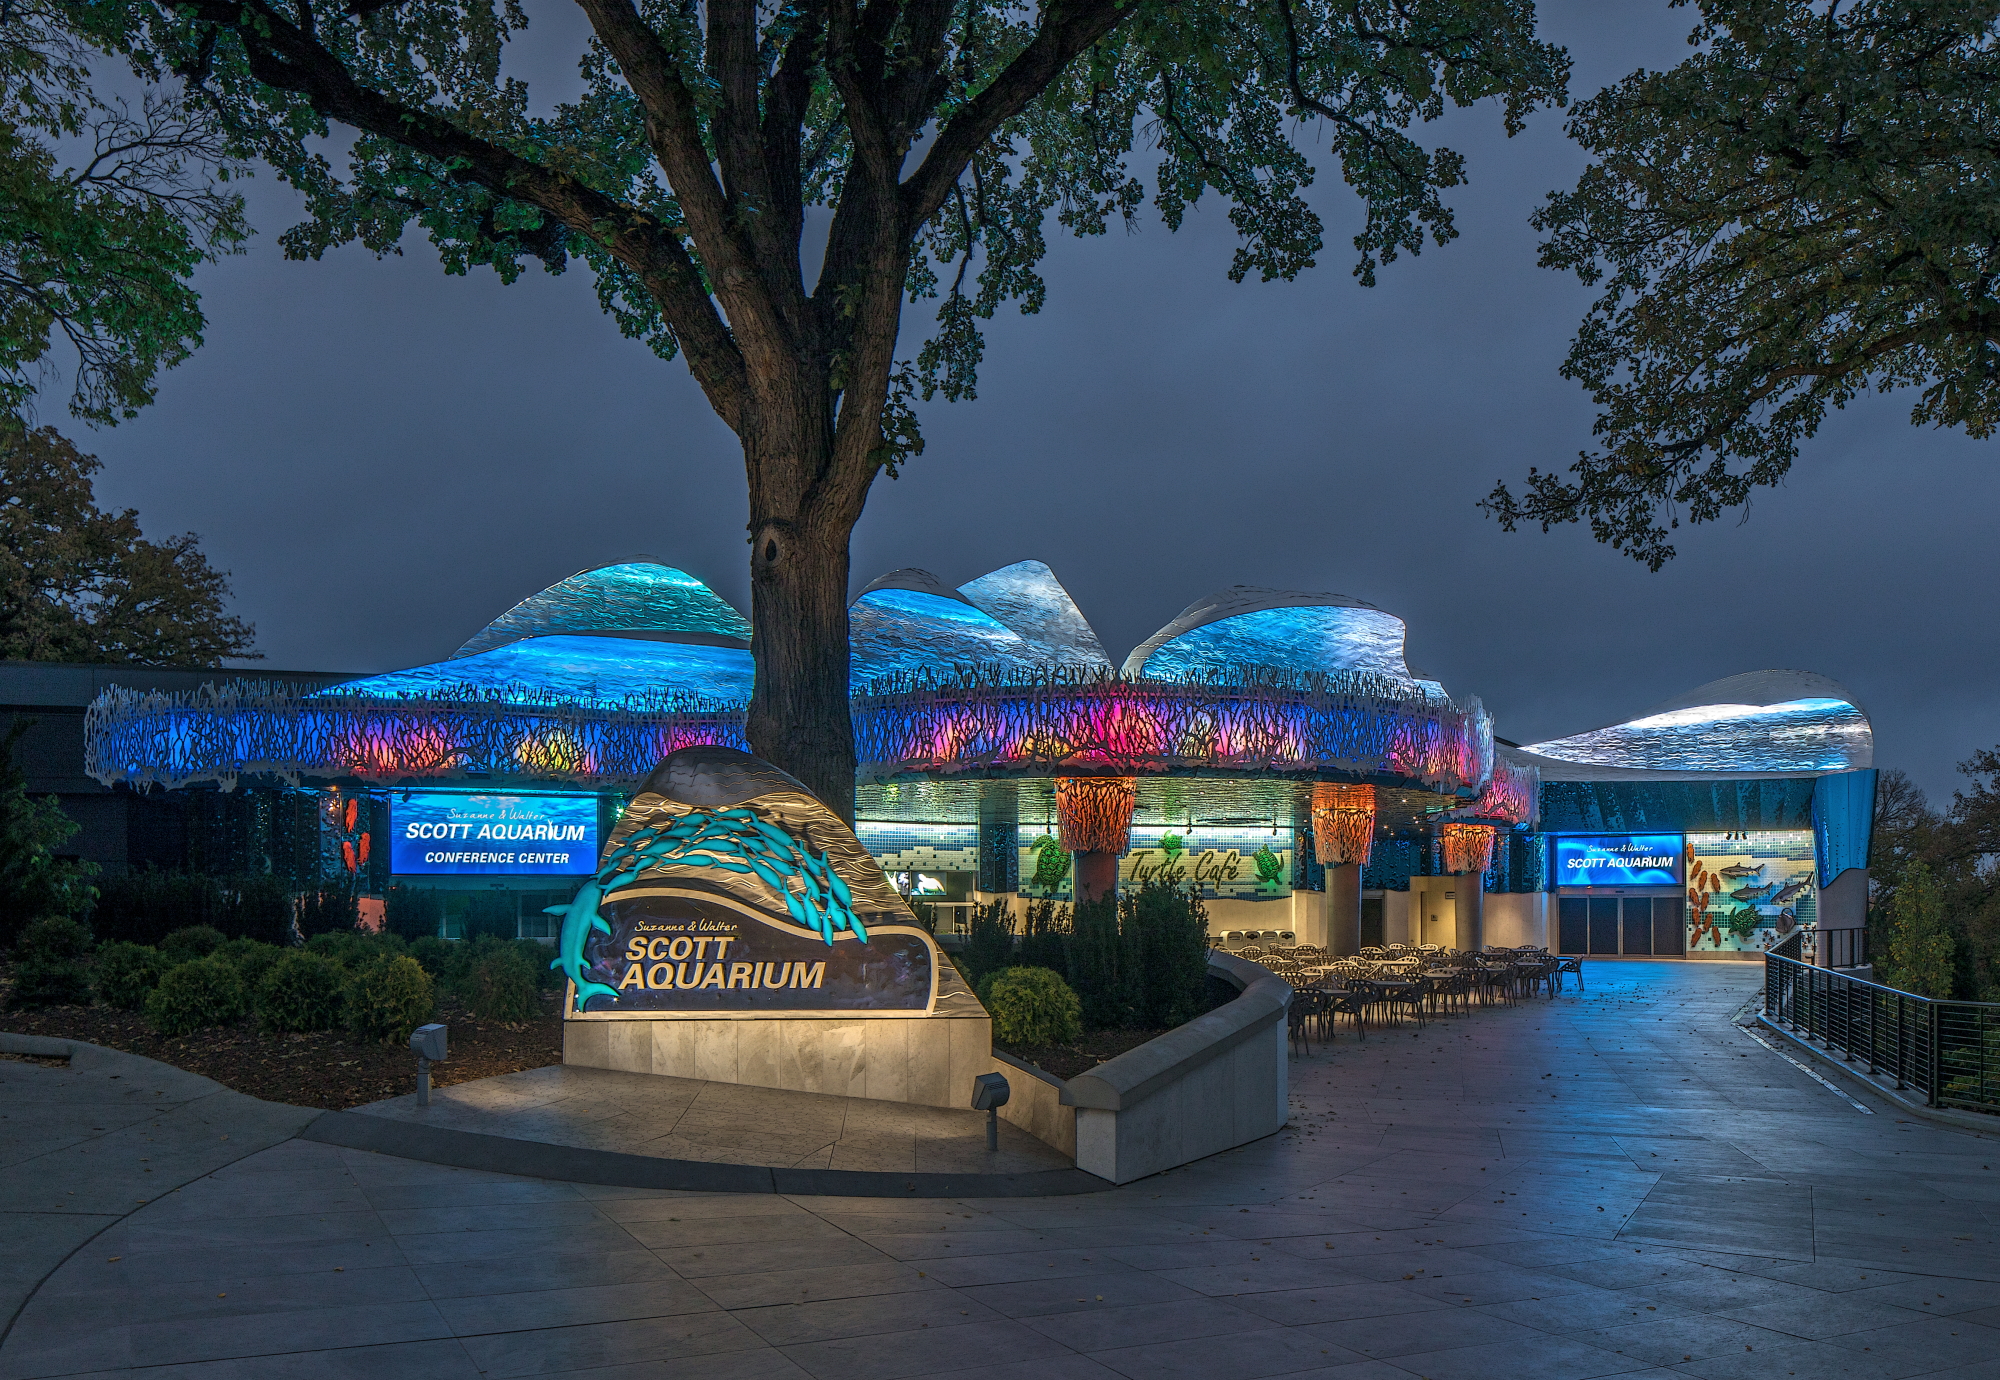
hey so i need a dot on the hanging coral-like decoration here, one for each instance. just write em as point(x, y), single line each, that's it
point(1343, 823)
point(1466, 847)
point(1095, 812)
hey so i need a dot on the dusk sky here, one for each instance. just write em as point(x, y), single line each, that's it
point(386, 458)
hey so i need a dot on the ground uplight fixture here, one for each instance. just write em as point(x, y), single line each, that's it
point(428, 1042)
point(989, 1095)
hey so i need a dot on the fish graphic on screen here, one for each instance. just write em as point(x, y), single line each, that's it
point(1736, 872)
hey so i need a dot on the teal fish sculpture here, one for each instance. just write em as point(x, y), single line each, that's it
point(730, 840)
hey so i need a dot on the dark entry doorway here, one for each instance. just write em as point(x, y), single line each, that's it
point(1612, 925)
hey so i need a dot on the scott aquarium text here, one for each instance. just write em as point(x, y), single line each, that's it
point(452, 833)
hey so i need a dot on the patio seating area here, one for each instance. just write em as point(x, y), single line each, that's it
point(1397, 983)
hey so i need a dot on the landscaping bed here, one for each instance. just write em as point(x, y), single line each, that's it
point(1093, 1048)
point(324, 1069)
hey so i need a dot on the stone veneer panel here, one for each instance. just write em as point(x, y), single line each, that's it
point(926, 1060)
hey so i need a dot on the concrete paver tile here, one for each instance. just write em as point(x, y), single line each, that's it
point(523, 1274)
point(1075, 1293)
point(791, 1323)
point(1401, 1334)
point(925, 1351)
point(653, 1298)
point(558, 1349)
point(1545, 1358)
point(744, 1257)
point(1099, 1329)
point(1939, 1342)
point(1286, 1351)
point(800, 1284)
point(1297, 1307)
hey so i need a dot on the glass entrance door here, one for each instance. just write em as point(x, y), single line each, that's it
point(1604, 924)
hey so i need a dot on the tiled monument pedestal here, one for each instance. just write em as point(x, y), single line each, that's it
point(927, 1059)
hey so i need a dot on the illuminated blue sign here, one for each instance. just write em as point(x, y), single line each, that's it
point(460, 834)
point(1618, 860)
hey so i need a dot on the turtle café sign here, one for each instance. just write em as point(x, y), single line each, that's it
point(727, 888)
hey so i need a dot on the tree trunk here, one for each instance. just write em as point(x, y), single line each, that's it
point(799, 717)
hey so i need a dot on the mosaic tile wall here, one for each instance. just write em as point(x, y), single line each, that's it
point(1761, 880)
point(931, 848)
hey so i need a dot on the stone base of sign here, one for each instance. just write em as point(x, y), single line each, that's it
point(927, 1060)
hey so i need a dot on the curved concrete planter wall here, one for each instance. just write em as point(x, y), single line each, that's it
point(1217, 1082)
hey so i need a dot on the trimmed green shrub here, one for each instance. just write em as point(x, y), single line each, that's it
point(302, 991)
point(501, 985)
point(55, 964)
point(388, 999)
point(53, 938)
point(252, 958)
point(52, 982)
point(127, 973)
point(194, 996)
point(1105, 976)
point(355, 948)
point(436, 955)
point(196, 941)
point(1032, 1006)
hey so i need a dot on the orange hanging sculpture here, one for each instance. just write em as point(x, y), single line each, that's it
point(1094, 813)
point(1466, 847)
point(1343, 823)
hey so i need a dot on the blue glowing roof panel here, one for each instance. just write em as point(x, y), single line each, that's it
point(1305, 639)
point(602, 671)
point(1028, 598)
point(635, 596)
point(907, 632)
point(1795, 735)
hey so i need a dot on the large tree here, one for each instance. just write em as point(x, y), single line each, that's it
point(758, 187)
point(1805, 210)
point(81, 584)
point(105, 211)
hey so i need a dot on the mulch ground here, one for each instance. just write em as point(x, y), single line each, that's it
point(1067, 1061)
point(322, 1070)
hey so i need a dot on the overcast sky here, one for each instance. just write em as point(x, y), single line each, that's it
point(386, 457)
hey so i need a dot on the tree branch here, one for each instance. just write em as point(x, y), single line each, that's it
point(1068, 28)
point(282, 56)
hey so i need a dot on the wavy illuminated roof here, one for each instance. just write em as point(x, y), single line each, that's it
point(1029, 599)
point(908, 624)
point(1761, 722)
point(640, 599)
point(1245, 626)
point(602, 671)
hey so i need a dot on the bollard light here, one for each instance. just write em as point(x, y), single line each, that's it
point(989, 1094)
point(428, 1042)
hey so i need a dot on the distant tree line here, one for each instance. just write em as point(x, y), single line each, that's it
point(1934, 909)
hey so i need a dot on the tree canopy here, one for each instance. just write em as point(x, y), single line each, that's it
point(81, 584)
point(96, 255)
point(1801, 212)
point(758, 188)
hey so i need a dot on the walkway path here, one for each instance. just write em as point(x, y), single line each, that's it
point(691, 1119)
point(1614, 1183)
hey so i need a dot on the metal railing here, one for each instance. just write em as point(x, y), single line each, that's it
point(1947, 1050)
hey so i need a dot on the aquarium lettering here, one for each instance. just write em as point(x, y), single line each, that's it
point(497, 833)
point(690, 977)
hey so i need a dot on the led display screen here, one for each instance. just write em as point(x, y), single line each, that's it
point(460, 834)
point(1618, 859)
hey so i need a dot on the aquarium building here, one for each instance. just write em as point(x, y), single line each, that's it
point(1272, 748)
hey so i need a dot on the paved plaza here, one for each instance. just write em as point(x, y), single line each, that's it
point(1618, 1182)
